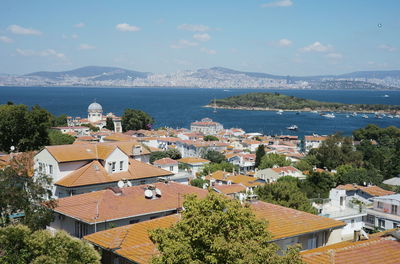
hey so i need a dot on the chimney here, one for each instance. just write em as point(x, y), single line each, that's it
point(357, 235)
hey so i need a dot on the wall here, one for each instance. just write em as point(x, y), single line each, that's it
point(116, 156)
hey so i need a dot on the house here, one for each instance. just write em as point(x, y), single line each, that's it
point(206, 126)
point(385, 213)
point(227, 178)
point(88, 167)
point(363, 193)
point(237, 191)
point(77, 130)
point(194, 164)
point(273, 174)
point(289, 226)
point(245, 161)
point(314, 141)
point(84, 214)
point(190, 148)
point(395, 181)
point(379, 248)
point(167, 164)
point(131, 243)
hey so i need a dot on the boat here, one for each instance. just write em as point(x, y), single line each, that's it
point(390, 116)
point(397, 116)
point(347, 116)
point(279, 112)
point(378, 116)
point(331, 115)
point(364, 116)
point(314, 112)
point(354, 114)
point(386, 96)
point(292, 127)
point(297, 113)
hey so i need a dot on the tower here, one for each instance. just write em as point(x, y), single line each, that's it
point(95, 112)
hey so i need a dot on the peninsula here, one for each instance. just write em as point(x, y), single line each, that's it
point(277, 101)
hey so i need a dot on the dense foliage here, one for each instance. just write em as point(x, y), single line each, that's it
point(22, 196)
point(134, 119)
point(217, 230)
point(285, 193)
point(171, 153)
point(56, 137)
point(210, 138)
point(270, 160)
point(213, 167)
point(91, 127)
point(260, 153)
point(285, 102)
point(214, 156)
point(198, 182)
point(110, 123)
point(23, 128)
point(20, 245)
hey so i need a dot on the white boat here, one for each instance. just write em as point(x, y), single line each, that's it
point(279, 112)
point(354, 114)
point(314, 112)
point(390, 116)
point(292, 127)
point(331, 115)
point(364, 116)
point(386, 96)
point(347, 116)
point(378, 116)
point(397, 116)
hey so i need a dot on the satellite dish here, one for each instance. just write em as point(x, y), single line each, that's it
point(158, 192)
point(129, 184)
point(120, 184)
point(229, 182)
point(148, 194)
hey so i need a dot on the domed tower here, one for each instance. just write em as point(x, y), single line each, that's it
point(95, 112)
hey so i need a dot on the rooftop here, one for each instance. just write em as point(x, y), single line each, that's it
point(165, 161)
point(371, 190)
point(193, 160)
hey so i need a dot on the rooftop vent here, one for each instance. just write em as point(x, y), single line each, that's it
point(148, 194)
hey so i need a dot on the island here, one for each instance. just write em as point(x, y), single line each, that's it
point(277, 101)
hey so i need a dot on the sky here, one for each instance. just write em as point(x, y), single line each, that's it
point(285, 37)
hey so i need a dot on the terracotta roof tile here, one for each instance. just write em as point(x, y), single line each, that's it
point(247, 181)
point(193, 160)
point(230, 189)
point(371, 190)
point(165, 161)
point(128, 204)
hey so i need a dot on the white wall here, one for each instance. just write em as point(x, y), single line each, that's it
point(116, 156)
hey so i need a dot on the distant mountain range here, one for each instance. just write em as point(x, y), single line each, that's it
point(216, 77)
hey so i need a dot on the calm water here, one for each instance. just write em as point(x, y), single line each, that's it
point(179, 107)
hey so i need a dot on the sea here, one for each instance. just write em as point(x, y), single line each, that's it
point(178, 107)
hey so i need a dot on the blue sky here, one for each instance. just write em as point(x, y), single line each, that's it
point(288, 37)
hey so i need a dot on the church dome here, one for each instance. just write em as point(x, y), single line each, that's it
point(95, 107)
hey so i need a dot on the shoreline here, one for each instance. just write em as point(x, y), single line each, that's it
point(301, 110)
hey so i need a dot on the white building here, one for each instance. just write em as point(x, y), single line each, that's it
point(314, 141)
point(206, 126)
point(273, 174)
point(167, 164)
point(385, 213)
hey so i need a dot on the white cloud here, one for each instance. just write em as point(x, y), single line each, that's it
point(208, 51)
point(15, 29)
point(43, 53)
point(387, 47)
point(334, 55)
point(183, 43)
point(283, 43)
point(193, 28)
point(316, 47)
point(86, 47)
point(202, 37)
point(125, 27)
point(6, 39)
point(79, 25)
point(280, 3)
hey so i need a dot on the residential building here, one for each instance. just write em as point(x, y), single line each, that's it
point(395, 181)
point(167, 164)
point(83, 214)
point(385, 213)
point(195, 165)
point(363, 193)
point(245, 161)
point(227, 178)
point(273, 174)
point(314, 141)
point(75, 130)
point(206, 126)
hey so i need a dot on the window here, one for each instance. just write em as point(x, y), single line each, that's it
point(380, 205)
point(121, 165)
point(352, 222)
point(171, 168)
point(395, 225)
point(143, 182)
point(394, 209)
point(371, 219)
point(381, 223)
point(50, 169)
point(113, 166)
point(40, 167)
point(81, 229)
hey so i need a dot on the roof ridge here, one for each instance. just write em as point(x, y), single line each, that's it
point(83, 171)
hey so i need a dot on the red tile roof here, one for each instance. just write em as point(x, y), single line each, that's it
point(165, 161)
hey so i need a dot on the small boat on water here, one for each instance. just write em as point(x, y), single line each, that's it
point(378, 116)
point(354, 114)
point(390, 116)
point(292, 127)
point(364, 116)
point(347, 116)
point(280, 112)
point(331, 115)
point(397, 116)
point(314, 112)
point(386, 96)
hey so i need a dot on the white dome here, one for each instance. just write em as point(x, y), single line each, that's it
point(95, 107)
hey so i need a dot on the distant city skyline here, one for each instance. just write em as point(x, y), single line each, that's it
point(283, 37)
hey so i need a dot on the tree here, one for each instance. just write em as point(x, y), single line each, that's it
point(110, 123)
point(60, 120)
point(285, 193)
point(214, 156)
point(303, 165)
point(198, 182)
point(19, 245)
point(174, 154)
point(210, 138)
point(91, 127)
point(24, 196)
point(317, 185)
point(272, 159)
point(171, 153)
point(23, 128)
point(213, 167)
point(260, 153)
point(133, 119)
point(349, 174)
point(58, 138)
point(217, 230)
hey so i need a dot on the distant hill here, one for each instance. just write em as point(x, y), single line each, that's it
point(95, 73)
point(372, 74)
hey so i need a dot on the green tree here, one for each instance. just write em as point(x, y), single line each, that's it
point(19, 245)
point(23, 128)
point(24, 195)
point(214, 156)
point(285, 193)
point(133, 119)
point(217, 230)
point(317, 185)
point(272, 159)
point(171, 153)
point(213, 167)
point(58, 138)
point(110, 123)
point(349, 174)
point(198, 182)
point(260, 153)
point(174, 154)
point(303, 165)
point(210, 138)
point(91, 127)
point(60, 120)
